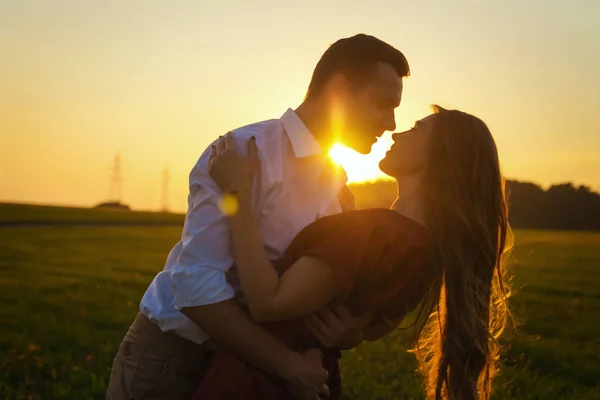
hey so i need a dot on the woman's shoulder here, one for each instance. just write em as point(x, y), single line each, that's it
point(364, 224)
point(367, 245)
point(372, 217)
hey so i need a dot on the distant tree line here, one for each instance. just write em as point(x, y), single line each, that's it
point(562, 206)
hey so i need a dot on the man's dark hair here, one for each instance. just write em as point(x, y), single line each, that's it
point(355, 57)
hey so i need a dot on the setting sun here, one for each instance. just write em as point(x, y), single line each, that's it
point(359, 167)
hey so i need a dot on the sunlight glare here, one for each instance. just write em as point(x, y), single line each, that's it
point(359, 167)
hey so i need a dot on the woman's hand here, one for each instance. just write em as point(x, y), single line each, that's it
point(232, 171)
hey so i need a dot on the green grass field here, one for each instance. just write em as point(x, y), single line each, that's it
point(69, 293)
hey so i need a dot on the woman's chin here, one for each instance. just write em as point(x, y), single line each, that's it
point(385, 165)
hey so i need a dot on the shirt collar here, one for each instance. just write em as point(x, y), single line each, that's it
point(303, 142)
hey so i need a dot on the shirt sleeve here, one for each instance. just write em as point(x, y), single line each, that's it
point(198, 275)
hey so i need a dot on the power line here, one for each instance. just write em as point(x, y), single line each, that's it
point(115, 191)
point(165, 190)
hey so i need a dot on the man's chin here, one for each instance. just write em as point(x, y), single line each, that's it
point(364, 148)
point(361, 145)
point(363, 151)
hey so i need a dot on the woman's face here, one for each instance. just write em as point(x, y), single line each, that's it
point(408, 155)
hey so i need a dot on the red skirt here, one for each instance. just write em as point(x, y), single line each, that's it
point(230, 378)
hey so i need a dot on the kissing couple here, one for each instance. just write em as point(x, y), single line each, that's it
point(258, 299)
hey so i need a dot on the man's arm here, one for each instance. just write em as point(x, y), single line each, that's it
point(202, 293)
point(231, 326)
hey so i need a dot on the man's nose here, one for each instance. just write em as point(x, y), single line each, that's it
point(389, 122)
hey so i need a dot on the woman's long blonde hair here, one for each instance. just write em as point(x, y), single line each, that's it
point(467, 215)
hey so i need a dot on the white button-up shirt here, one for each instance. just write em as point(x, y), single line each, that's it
point(295, 185)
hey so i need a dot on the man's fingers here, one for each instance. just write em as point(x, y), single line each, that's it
point(341, 311)
point(327, 315)
point(319, 330)
point(324, 393)
point(302, 394)
point(331, 320)
point(314, 330)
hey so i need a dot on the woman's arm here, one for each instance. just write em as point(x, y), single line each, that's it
point(307, 286)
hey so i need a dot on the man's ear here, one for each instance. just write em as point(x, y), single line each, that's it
point(338, 86)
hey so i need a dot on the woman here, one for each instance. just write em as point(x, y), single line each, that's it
point(439, 249)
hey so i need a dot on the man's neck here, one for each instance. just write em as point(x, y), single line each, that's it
point(317, 118)
point(410, 200)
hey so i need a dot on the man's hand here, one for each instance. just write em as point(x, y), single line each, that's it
point(305, 373)
point(225, 321)
point(335, 326)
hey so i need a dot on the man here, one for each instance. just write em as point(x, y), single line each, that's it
point(351, 98)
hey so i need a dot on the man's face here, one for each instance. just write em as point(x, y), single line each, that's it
point(369, 110)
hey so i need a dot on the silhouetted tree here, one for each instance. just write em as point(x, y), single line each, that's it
point(562, 206)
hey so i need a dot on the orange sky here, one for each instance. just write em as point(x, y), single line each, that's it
point(156, 81)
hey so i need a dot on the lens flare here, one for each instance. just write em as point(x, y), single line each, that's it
point(359, 167)
point(229, 204)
